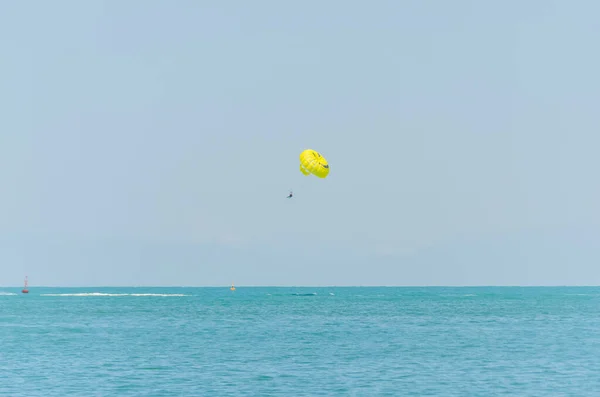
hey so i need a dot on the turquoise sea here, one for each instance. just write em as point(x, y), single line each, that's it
point(304, 341)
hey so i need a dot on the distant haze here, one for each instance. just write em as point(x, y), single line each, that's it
point(154, 142)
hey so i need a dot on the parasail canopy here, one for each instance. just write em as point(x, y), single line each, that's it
point(312, 162)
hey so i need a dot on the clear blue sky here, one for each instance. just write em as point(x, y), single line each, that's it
point(153, 142)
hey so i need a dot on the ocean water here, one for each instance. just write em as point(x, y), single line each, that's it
point(300, 342)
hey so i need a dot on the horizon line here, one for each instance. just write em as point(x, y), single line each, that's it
point(314, 286)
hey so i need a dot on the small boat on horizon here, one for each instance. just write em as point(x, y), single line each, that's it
point(232, 287)
point(25, 290)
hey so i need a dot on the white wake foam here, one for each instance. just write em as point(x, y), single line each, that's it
point(108, 294)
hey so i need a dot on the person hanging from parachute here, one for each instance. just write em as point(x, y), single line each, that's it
point(312, 162)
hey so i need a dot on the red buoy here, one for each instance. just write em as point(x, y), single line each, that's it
point(25, 290)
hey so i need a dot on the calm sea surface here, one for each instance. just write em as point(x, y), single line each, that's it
point(300, 342)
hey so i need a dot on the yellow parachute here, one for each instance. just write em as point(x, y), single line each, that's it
point(311, 162)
